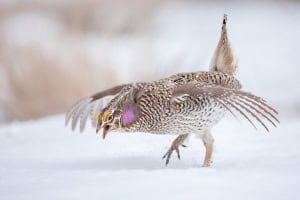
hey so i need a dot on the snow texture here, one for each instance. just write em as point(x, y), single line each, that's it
point(44, 160)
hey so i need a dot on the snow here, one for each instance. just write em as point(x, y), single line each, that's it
point(44, 160)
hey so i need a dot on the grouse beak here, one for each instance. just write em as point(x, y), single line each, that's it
point(105, 131)
point(100, 125)
point(105, 128)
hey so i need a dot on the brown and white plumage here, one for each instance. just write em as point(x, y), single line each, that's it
point(90, 106)
point(244, 103)
point(224, 59)
point(182, 104)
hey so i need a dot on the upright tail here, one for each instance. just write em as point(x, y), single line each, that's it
point(224, 59)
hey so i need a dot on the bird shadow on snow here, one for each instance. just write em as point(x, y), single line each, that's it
point(121, 163)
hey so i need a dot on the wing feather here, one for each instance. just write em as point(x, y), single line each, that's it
point(245, 103)
point(240, 111)
point(77, 113)
point(261, 112)
point(84, 116)
point(252, 114)
point(91, 106)
point(261, 106)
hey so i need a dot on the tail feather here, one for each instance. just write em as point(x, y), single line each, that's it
point(224, 59)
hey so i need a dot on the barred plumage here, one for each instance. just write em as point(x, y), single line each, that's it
point(182, 104)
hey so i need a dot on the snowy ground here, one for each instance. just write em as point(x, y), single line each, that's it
point(44, 160)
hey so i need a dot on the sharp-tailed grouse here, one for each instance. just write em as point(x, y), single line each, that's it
point(183, 104)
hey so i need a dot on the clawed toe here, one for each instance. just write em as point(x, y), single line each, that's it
point(175, 146)
point(207, 163)
point(169, 153)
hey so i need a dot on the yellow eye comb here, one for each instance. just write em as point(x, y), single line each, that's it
point(97, 117)
point(105, 116)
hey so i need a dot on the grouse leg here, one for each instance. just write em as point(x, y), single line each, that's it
point(208, 142)
point(175, 146)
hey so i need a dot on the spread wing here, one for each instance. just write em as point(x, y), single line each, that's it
point(90, 106)
point(244, 103)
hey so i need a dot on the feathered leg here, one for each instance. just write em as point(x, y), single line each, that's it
point(208, 142)
point(175, 146)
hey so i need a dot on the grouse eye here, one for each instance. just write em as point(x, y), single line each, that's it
point(110, 118)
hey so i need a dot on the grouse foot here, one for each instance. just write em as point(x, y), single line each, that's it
point(175, 146)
